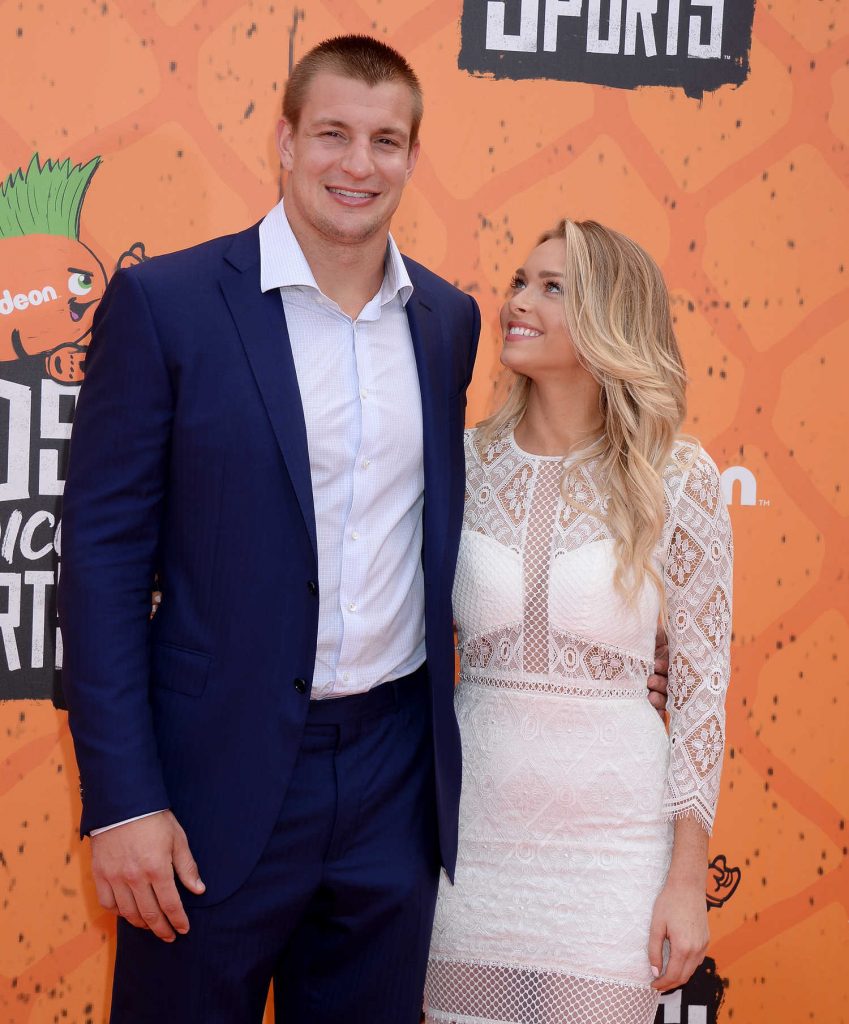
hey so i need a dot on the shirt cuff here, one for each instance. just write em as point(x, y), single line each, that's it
point(126, 821)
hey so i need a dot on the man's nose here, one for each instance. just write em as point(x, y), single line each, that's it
point(357, 159)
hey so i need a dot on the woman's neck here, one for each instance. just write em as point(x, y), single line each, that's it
point(560, 416)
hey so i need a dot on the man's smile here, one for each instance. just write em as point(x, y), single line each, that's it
point(350, 196)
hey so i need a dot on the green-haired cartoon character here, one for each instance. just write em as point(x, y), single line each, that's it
point(50, 283)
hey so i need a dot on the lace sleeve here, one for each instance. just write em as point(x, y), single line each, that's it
point(697, 579)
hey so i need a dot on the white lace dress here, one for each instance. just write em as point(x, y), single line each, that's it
point(570, 781)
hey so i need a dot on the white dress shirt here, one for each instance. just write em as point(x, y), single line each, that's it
point(362, 408)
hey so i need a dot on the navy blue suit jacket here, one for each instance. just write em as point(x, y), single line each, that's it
point(189, 460)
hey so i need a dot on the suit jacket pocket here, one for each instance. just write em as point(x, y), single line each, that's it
point(176, 668)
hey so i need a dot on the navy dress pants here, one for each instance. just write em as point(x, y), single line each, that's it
point(339, 909)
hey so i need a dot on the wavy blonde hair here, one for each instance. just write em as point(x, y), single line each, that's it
point(616, 308)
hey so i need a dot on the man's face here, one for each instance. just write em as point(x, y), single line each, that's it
point(349, 158)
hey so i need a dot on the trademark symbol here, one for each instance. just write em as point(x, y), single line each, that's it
point(763, 502)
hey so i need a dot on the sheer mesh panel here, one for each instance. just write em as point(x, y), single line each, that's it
point(542, 517)
point(488, 993)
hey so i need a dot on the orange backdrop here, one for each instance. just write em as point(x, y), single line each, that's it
point(743, 200)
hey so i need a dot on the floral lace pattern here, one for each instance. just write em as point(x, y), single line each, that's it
point(570, 780)
point(514, 499)
point(570, 661)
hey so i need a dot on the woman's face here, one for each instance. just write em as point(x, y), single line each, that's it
point(533, 325)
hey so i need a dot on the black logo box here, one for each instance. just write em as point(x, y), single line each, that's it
point(694, 45)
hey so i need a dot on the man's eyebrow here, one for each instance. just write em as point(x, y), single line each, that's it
point(327, 122)
point(78, 270)
point(332, 122)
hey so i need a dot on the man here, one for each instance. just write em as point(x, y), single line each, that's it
point(271, 425)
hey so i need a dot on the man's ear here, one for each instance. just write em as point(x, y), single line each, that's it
point(412, 157)
point(285, 141)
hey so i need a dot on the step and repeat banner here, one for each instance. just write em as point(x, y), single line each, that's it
point(712, 131)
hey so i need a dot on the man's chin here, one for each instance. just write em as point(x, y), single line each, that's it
point(352, 230)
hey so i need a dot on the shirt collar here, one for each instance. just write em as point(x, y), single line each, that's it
point(283, 264)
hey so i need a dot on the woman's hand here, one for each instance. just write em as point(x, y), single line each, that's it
point(680, 915)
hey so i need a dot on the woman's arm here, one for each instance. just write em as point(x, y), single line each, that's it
point(697, 581)
point(680, 911)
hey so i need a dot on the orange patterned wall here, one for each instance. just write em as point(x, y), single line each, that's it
point(744, 200)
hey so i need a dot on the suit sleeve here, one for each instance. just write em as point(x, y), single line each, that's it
point(474, 335)
point(112, 511)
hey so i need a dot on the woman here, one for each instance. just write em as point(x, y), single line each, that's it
point(580, 884)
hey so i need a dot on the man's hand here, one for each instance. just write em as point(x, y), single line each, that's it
point(657, 683)
point(134, 866)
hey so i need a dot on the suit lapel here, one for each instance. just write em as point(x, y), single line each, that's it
point(261, 324)
point(426, 334)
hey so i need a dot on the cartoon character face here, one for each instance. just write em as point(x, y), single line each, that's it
point(49, 288)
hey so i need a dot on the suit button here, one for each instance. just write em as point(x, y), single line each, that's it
point(300, 685)
point(312, 587)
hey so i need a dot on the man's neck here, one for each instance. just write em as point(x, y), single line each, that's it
point(349, 273)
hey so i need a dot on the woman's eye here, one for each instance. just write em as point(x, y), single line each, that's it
point(517, 282)
point(553, 287)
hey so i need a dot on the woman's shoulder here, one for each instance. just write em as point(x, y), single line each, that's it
point(691, 469)
point(469, 441)
point(483, 448)
point(688, 454)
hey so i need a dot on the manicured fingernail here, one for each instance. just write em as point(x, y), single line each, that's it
point(655, 972)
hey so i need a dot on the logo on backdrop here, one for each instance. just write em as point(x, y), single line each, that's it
point(50, 285)
point(739, 481)
point(697, 1002)
point(694, 45)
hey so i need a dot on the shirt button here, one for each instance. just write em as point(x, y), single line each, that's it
point(300, 685)
point(352, 607)
point(364, 393)
point(355, 535)
point(366, 463)
point(346, 677)
point(312, 587)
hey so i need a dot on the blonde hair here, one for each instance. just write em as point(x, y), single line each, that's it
point(616, 309)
